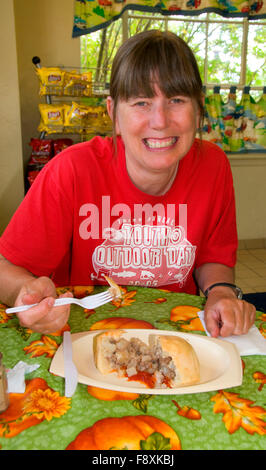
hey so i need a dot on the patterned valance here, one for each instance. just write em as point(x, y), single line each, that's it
point(92, 15)
point(235, 126)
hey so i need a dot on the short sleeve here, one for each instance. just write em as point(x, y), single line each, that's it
point(39, 234)
point(220, 241)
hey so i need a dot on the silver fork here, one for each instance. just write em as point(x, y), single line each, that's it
point(90, 302)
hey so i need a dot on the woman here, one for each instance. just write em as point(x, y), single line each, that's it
point(154, 206)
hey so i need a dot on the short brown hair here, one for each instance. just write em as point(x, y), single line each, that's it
point(150, 55)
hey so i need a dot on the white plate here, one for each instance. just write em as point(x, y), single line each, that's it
point(220, 364)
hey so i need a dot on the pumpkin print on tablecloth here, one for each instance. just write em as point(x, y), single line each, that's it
point(121, 322)
point(187, 316)
point(38, 403)
point(127, 433)
point(77, 291)
point(110, 395)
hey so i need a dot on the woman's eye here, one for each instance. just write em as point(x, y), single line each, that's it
point(141, 103)
point(177, 100)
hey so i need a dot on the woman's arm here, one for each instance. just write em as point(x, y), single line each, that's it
point(224, 314)
point(20, 287)
point(12, 278)
point(210, 273)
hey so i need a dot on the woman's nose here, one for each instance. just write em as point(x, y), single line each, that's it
point(159, 117)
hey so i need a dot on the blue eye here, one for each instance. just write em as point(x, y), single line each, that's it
point(177, 100)
point(140, 103)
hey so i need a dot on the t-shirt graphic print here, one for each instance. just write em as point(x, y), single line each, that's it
point(146, 255)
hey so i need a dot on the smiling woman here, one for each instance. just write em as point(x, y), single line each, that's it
point(157, 133)
point(156, 106)
point(160, 59)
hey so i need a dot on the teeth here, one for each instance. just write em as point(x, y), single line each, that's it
point(156, 144)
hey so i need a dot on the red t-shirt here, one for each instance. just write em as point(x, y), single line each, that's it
point(83, 217)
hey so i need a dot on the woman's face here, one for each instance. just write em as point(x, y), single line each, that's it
point(157, 132)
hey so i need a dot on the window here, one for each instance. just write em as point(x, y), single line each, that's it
point(229, 51)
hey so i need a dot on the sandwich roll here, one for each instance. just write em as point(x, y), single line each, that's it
point(183, 355)
point(104, 347)
point(167, 361)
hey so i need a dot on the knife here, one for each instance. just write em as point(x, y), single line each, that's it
point(70, 370)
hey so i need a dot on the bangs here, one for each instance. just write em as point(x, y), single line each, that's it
point(166, 61)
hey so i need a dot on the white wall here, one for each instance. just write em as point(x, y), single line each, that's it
point(11, 159)
point(249, 174)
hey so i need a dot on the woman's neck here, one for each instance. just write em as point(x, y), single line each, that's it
point(155, 183)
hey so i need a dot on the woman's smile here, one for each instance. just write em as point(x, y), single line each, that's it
point(160, 144)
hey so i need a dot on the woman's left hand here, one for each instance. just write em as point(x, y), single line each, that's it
point(225, 315)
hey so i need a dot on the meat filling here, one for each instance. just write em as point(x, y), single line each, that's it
point(135, 356)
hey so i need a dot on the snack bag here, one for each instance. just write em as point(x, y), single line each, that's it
point(51, 80)
point(42, 151)
point(33, 169)
point(78, 84)
point(61, 144)
point(52, 118)
point(39, 159)
point(32, 175)
point(94, 117)
point(98, 121)
point(104, 123)
point(75, 117)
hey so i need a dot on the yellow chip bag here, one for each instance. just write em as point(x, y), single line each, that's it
point(51, 80)
point(104, 123)
point(94, 115)
point(78, 84)
point(52, 118)
point(75, 117)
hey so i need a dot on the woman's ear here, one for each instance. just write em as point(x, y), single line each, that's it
point(110, 107)
point(110, 110)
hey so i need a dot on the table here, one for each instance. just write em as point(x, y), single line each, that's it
point(42, 418)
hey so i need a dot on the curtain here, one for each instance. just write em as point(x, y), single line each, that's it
point(235, 126)
point(92, 15)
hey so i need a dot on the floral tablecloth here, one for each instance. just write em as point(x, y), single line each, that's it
point(42, 418)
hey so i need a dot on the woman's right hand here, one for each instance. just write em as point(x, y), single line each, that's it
point(43, 318)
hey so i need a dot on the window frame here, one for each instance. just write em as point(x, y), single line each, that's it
point(207, 20)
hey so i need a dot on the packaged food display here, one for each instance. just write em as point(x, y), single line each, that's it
point(76, 84)
point(61, 144)
point(75, 117)
point(41, 147)
point(105, 126)
point(55, 81)
point(52, 118)
point(51, 80)
point(86, 115)
point(32, 175)
point(42, 151)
